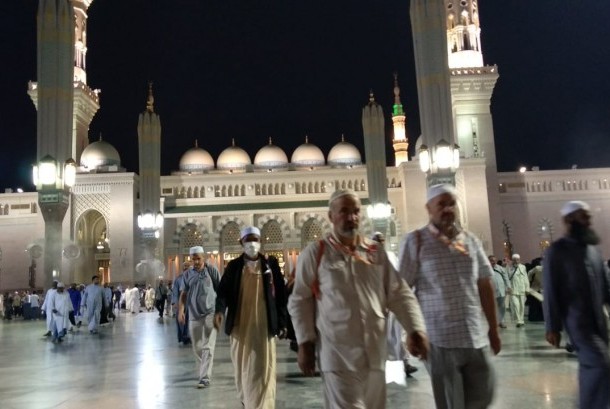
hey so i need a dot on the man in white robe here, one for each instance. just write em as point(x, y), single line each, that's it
point(48, 299)
point(344, 287)
point(60, 305)
point(520, 286)
point(92, 300)
point(134, 300)
point(149, 298)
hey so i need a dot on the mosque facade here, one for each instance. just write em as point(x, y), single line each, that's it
point(206, 200)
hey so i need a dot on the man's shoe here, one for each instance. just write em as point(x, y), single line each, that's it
point(78, 325)
point(203, 383)
point(502, 325)
point(410, 369)
point(47, 334)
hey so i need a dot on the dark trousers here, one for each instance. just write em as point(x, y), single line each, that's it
point(183, 330)
point(593, 372)
point(160, 305)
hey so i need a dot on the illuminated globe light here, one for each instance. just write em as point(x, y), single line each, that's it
point(379, 211)
point(424, 158)
point(70, 173)
point(443, 155)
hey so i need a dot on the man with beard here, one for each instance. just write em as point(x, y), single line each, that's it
point(343, 290)
point(520, 287)
point(576, 287)
point(92, 300)
point(252, 290)
point(452, 278)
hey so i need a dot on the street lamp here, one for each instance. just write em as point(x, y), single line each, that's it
point(379, 213)
point(150, 224)
point(53, 182)
point(440, 163)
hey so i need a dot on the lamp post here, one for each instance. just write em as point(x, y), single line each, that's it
point(439, 163)
point(379, 213)
point(53, 183)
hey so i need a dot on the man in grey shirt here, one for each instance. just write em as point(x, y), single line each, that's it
point(452, 279)
point(198, 292)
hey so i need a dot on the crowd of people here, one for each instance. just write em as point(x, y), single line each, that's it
point(351, 305)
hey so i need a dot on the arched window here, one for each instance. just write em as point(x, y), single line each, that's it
point(229, 236)
point(311, 231)
point(190, 237)
point(271, 236)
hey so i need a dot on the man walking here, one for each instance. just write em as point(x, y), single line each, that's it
point(452, 279)
point(343, 289)
point(183, 329)
point(48, 300)
point(501, 287)
point(160, 297)
point(252, 289)
point(576, 288)
point(520, 287)
point(92, 301)
point(198, 294)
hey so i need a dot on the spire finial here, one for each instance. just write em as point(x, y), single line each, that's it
point(196, 143)
point(342, 137)
point(151, 99)
point(232, 141)
point(397, 108)
point(100, 136)
point(371, 96)
point(306, 138)
point(270, 141)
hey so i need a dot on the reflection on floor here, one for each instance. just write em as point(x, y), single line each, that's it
point(137, 363)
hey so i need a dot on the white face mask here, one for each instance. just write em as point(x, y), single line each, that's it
point(251, 248)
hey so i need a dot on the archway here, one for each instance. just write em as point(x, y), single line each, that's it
point(91, 237)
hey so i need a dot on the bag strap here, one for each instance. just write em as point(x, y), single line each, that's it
point(315, 285)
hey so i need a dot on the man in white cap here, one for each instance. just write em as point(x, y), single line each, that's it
point(92, 301)
point(520, 287)
point(253, 294)
point(48, 299)
point(576, 288)
point(61, 305)
point(344, 287)
point(198, 294)
point(452, 278)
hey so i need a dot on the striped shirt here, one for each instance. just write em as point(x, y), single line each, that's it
point(444, 274)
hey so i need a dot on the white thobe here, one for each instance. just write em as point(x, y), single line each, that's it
point(62, 305)
point(134, 300)
point(92, 299)
point(48, 301)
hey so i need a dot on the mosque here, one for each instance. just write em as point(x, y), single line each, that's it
point(206, 200)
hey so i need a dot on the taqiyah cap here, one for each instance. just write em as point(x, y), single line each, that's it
point(61, 285)
point(440, 189)
point(196, 250)
point(340, 193)
point(574, 205)
point(249, 230)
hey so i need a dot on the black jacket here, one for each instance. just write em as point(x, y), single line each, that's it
point(273, 288)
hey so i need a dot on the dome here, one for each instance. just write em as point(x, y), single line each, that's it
point(196, 160)
point(99, 153)
point(344, 154)
point(233, 158)
point(271, 157)
point(308, 155)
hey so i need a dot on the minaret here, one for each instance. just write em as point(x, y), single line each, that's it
point(472, 85)
point(400, 141)
point(373, 127)
point(149, 149)
point(85, 100)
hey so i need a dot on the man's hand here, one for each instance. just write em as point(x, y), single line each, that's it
point(553, 338)
point(494, 341)
point(282, 334)
point(218, 321)
point(181, 316)
point(417, 344)
point(306, 358)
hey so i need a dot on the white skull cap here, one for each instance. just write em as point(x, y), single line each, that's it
point(249, 230)
point(440, 189)
point(572, 206)
point(340, 193)
point(196, 250)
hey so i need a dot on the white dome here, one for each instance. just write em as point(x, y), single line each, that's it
point(99, 153)
point(344, 154)
point(196, 160)
point(271, 157)
point(233, 158)
point(308, 155)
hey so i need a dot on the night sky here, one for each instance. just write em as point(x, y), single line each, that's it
point(282, 69)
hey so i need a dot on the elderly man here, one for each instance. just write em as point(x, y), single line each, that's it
point(183, 329)
point(343, 290)
point(252, 290)
point(48, 299)
point(576, 288)
point(198, 294)
point(520, 287)
point(501, 287)
point(61, 305)
point(92, 300)
point(452, 280)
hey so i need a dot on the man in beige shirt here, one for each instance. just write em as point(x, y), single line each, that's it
point(343, 290)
